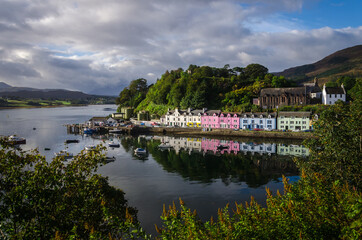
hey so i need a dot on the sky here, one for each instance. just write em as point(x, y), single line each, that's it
point(100, 46)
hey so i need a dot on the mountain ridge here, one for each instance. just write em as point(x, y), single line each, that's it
point(345, 62)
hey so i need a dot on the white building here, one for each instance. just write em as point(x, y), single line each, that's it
point(265, 121)
point(330, 95)
point(183, 118)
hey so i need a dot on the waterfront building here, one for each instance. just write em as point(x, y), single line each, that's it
point(330, 95)
point(265, 121)
point(229, 120)
point(210, 119)
point(183, 118)
point(295, 121)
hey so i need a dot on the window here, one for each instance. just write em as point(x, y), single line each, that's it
point(304, 127)
point(269, 126)
point(291, 122)
point(252, 121)
point(304, 122)
point(261, 121)
point(245, 121)
point(269, 122)
point(281, 122)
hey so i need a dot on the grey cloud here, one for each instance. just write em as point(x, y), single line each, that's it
point(104, 45)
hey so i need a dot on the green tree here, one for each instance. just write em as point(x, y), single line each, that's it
point(336, 148)
point(255, 70)
point(58, 199)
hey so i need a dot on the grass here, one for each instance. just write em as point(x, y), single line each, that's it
point(36, 103)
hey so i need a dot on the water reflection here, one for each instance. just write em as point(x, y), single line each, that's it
point(200, 159)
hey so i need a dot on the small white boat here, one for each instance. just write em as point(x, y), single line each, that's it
point(117, 131)
point(140, 151)
point(90, 148)
point(16, 140)
point(113, 144)
point(64, 153)
point(164, 146)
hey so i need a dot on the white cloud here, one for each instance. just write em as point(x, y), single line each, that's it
point(89, 45)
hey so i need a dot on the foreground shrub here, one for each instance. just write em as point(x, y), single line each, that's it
point(309, 209)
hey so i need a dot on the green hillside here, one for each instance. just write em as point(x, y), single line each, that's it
point(346, 62)
point(230, 89)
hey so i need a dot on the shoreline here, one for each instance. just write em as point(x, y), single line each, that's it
point(221, 133)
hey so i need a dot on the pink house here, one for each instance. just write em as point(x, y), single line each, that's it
point(210, 119)
point(229, 120)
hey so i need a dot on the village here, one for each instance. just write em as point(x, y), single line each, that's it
point(204, 120)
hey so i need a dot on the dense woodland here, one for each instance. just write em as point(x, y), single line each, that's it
point(228, 89)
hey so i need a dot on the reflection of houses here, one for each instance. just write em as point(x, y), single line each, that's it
point(265, 121)
point(187, 144)
point(258, 148)
point(330, 95)
point(212, 145)
point(277, 97)
point(293, 150)
point(183, 118)
point(295, 121)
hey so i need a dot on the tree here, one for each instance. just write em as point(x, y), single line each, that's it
point(46, 200)
point(255, 70)
point(336, 148)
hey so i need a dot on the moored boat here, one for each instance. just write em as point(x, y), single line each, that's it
point(113, 144)
point(16, 140)
point(90, 147)
point(72, 141)
point(164, 146)
point(64, 153)
point(140, 151)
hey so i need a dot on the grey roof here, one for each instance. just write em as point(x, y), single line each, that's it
point(282, 91)
point(211, 112)
point(258, 114)
point(294, 114)
point(334, 90)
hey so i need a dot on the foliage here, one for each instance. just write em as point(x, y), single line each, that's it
point(336, 150)
point(210, 87)
point(59, 199)
point(309, 209)
point(133, 94)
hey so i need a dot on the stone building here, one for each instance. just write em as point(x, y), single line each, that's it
point(277, 97)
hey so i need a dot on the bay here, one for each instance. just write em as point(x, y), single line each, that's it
point(194, 170)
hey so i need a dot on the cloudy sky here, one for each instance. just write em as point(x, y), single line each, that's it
point(100, 46)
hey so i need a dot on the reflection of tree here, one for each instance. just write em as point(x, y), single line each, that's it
point(254, 170)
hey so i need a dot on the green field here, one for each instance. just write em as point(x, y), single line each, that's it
point(11, 103)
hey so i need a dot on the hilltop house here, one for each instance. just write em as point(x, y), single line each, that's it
point(330, 95)
point(277, 97)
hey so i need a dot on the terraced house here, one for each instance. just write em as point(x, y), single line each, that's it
point(264, 121)
point(183, 118)
point(294, 121)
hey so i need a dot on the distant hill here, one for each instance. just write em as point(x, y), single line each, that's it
point(4, 85)
point(55, 94)
point(346, 62)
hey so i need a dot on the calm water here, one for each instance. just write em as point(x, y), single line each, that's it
point(205, 178)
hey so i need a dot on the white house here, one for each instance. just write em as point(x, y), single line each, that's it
point(266, 121)
point(183, 118)
point(330, 95)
